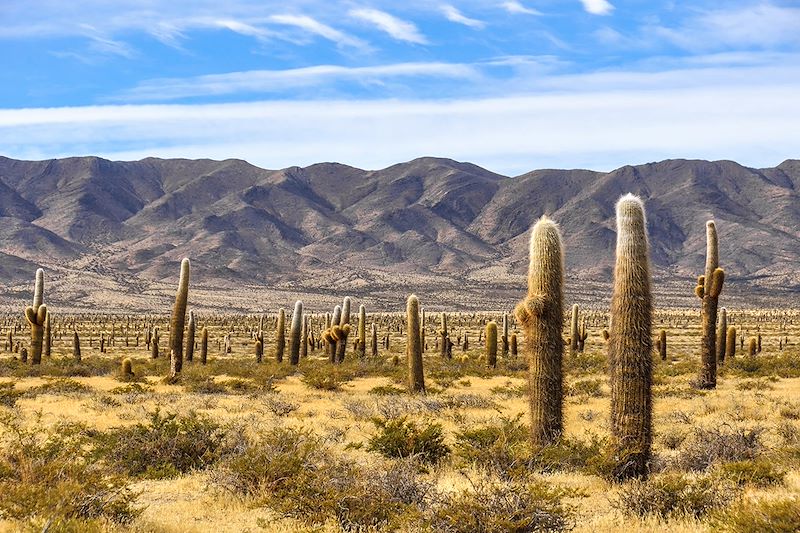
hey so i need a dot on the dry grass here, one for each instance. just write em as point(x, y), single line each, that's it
point(721, 436)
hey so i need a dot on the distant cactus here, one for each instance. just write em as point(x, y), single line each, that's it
point(491, 344)
point(513, 343)
point(154, 338)
point(327, 337)
point(759, 342)
point(573, 328)
point(362, 331)
point(280, 336)
point(444, 335)
point(304, 338)
point(204, 346)
point(23, 355)
point(127, 368)
point(76, 347)
point(48, 335)
point(259, 349)
point(178, 321)
point(709, 287)
point(540, 314)
point(722, 335)
point(630, 344)
point(295, 333)
point(504, 338)
point(416, 376)
point(374, 340)
point(36, 315)
point(730, 343)
point(343, 333)
point(190, 334)
point(662, 344)
point(752, 347)
point(465, 345)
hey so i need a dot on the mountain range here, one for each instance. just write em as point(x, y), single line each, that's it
point(110, 234)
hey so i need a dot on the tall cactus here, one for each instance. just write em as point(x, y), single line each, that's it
point(328, 336)
point(540, 315)
point(416, 376)
point(36, 315)
point(76, 346)
point(362, 331)
point(304, 338)
point(730, 343)
point(491, 344)
point(662, 344)
point(280, 336)
point(709, 287)
point(154, 338)
point(505, 339)
point(178, 320)
point(295, 333)
point(573, 328)
point(48, 335)
point(190, 333)
point(722, 335)
point(630, 344)
point(343, 332)
point(374, 340)
point(204, 346)
point(444, 334)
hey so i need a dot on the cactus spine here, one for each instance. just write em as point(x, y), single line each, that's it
point(630, 344)
point(540, 314)
point(491, 344)
point(362, 331)
point(190, 333)
point(295, 333)
point(204, 346)
point(722, 335)
point(36, 315)
point(280, 336)
point(416, 377)
point(178, 320)
point(709, 287)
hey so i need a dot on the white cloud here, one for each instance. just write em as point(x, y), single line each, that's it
point(597, 7)
point(273, 81)
point(317, 28)
point(749, 116)
point(514, 6)
point(762, 25)
point(454, 15)
point(399, 29)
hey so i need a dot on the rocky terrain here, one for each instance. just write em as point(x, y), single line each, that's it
point(110, 234)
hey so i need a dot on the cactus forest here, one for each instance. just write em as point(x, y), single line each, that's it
point(547, 416)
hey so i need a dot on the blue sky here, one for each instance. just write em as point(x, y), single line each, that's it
point(512, 85)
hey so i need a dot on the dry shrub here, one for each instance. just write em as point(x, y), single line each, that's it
point(775, 516)
point(673, 495)
point(705, 447)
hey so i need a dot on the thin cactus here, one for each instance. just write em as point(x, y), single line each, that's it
point(280, 336)
point(295, 337)
point(36, 315)
point(491, 344)
point(416, 376)
point(709, 287)
point(178, 320)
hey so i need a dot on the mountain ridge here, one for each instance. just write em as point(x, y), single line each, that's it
point(426, 224)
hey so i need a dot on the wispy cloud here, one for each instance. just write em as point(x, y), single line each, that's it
point(601, 121)
point(315, 27)
point(399, 29)
point(514, 6)
point(454, 15)
point(597, 7)
point(761, 25)
point(276, 81)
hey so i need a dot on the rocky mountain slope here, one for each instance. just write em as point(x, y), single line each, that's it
point(111, 234)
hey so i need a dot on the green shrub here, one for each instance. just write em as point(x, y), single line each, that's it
point(295, 474)
point(774, 516)
point(673, 495)
point(167, 445)
point(46, 473)
point(400, 438)
point(8, 394)
point(759, 472)
point(501, 508)
point(386, 390)
point(501, 448)
point(60, 386)
point(592, 388)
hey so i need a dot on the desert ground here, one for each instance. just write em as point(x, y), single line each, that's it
point(236, 445)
